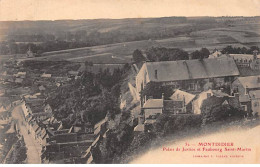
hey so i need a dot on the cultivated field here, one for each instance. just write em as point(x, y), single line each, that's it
point(235, 35)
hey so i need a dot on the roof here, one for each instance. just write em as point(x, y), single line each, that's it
point(255, 94)
point(21, 73)
point(150, 121)
point(73, 72)
point(212, 101)
point(153, 103)
point(191, 69)
point(250, 82)
point(215, 54)
point(46, 75)
point(243, 56)
point(139, 128)
point(217, 101)
point(170, 104)
point(217, 93)
point(180, 95)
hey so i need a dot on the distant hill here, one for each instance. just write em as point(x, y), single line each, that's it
point(139, 27)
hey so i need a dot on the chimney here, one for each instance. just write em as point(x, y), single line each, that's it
point(162, 96)
point(155, 74)
point(236, 95)
point(246, 90)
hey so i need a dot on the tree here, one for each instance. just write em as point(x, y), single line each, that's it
point(166, 54)
point(221, 113)
point(138, 56)
point(156, 90)
point(204, 52)
point(196, 55)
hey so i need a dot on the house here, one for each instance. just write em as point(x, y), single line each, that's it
point(247, 60)
point(214, 101)
point(152, 107)
point(247, 88)
point(180, 95)
point(190, 75)
point(197, 103)
point(44, 75)
point(215, 54)
point(251, 61)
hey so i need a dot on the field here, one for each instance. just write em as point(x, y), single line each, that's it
point(119, 53)
point(189, 34)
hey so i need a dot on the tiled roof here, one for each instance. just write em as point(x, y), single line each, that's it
point(139, 128)
point(153, 103)
point(191, 69)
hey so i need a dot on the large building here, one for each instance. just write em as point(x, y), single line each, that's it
point(190, 75)
point(251, 61)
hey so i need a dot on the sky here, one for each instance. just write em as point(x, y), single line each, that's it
point(115, 9)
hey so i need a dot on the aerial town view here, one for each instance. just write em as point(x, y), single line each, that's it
point(108, 91)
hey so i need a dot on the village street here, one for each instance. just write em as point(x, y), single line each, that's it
point(33, 149)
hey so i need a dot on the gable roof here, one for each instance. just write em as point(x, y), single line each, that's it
point(250, 82)
point(153, 103)
point(180, 95)
point(191, 69)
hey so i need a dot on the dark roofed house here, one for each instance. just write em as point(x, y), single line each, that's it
point(187, 74)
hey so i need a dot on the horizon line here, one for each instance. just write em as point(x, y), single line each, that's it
point(126, 18)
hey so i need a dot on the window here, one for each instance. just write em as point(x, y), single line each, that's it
point(244, 107)
point(155, 74)
point(191, 86)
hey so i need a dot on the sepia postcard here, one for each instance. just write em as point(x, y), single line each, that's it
point(129, 82)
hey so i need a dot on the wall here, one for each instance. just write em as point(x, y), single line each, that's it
point(256, 106)
point(148, 112)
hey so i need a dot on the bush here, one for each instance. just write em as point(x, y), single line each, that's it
point(19, 153)
point(222, 113)
point(166, 124)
